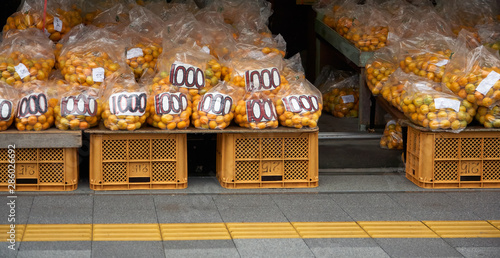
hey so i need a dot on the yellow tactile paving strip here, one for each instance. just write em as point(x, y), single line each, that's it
point(330, 230)
point(221, 231)
point(463, 229)
point(194, 231)
point(397, 229)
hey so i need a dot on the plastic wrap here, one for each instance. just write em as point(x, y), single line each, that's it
point(93, 56)
point(489, 35)
point(145, 41)
point(489, 117)
point(35, 111)
point(26, 56)
point(216, 109)
point(364, 25)
point(379, 67)
point(9, 97)
point(341, 99)
point(435, 110)
point(474, 75)
point(393, 136)
point(426, 55)
point(61, 16)
point(78, 109)
point(125, 104)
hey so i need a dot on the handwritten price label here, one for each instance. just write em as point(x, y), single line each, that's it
point(134, 52)
point(22, 70)
point(58, 24)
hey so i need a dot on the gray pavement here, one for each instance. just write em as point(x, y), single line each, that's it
point(383, 197)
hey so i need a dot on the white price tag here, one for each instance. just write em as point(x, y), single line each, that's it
point(301, 103)
point(443, 103)
point(262, 79)
point(392, 122)
point(22, 70)
point(5, 109)
point(98, 74)
point(488, 82)
point(170, 103)
point(134, 52)
point(58, 24)
point(128, 103)
point(256, 54)
point(348, 98)
point(187, 76)
point(80, 105)
point(216, 103)
point(442, 63)
point(205, 49)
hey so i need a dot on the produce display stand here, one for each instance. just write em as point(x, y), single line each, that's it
point(469, 159)
point(358, 59)
point(150, 158)
point(42, 160)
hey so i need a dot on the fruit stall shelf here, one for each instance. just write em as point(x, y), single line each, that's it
point(368, 116)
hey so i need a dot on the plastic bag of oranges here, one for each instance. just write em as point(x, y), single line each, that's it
point(393, 136)
point(114, 18)
point(187, 69)
point(489, 117)
point(435, 110)
point(379, 67)
point(125, 103)
point(171, 109)
point(144, 41)
point(490, 35)
point(474, 75)
point(299, 102)
point(61, 16)
point(36, 105)
point(341, 99)
point(426, 55)
point(217, 108)
point(26, 56)
point(94, 55)
point(366, 26)
point(78, 109)
point(8, 105)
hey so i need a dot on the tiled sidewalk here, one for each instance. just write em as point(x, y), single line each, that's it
point(340, 198)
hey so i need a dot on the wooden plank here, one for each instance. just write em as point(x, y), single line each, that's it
point(231, 129)
point(51, 138)
point(474, 128)
point(343, 45)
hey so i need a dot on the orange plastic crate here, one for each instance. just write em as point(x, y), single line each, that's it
point(267, 160)
point(470, 159)
point(44, 169)
point(138, 161)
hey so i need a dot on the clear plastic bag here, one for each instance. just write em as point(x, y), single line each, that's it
point(26, 56)
point(426, 55)
point(490, 35)
point(341, 99)
point(9, 97)
point(94, 55)
point(393, 136)
point(77, 109)
point(144, 36)
point(489, 117)
point(474, 75)
point(379, 67)
point(366, 26)
point(125, 103)
point(35, 111)
point(435, 110)
point(216, 109)
point(60, 18)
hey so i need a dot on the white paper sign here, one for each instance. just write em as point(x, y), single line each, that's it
point(443, 103)
point(134, 52)
point(348, 98)
point(170, 103)
point(301, 103)
point(22, 70)
point(5, 109)
point(34, 104)
point(80, 105)
point(216, 103)
point(205, 49)
point(187, 76)
point(58, 24)
point(442, 63)
point(262, 79)
point(488, 82)
point(128, 103)
point(98, 74)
